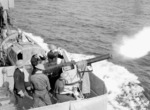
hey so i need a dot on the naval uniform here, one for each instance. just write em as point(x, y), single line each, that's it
point(41, 88)
point(19, 85)
point(59, 89)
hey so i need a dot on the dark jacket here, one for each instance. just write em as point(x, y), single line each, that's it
point(1, 18)
point(19, 83)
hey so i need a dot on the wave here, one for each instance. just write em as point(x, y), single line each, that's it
point(124, 90)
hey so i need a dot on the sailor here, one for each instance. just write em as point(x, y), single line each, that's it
point(36, 59)
point(61, 94)
point(67, 87)
point(1, 20)
point(1, 16)
point(34, 62)
point(54, 57)
point(62, 55)
point(5, 19)
point(19, 86)
point(53, 74)
point(41, 87)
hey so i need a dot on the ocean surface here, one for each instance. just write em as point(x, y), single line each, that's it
point(89, 27)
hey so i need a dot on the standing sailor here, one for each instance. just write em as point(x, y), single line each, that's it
point(1, 18)
point(6, 5)
point(53, 74)
point(19, 86)
point(41, 87)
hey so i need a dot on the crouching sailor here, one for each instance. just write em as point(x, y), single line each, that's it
point(41, 87)
point(67, 86)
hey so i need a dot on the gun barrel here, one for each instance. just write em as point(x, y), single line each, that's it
point(99, 58)
point(89, 61)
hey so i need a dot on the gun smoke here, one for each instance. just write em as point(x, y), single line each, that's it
point(136, 46)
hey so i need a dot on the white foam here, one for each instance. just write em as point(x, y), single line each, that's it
point(38, 40)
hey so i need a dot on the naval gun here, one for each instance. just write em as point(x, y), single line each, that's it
point(53, 68)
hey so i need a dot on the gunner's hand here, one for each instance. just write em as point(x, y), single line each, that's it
point(60, 50)
point(29, 88)
point(21, 93)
